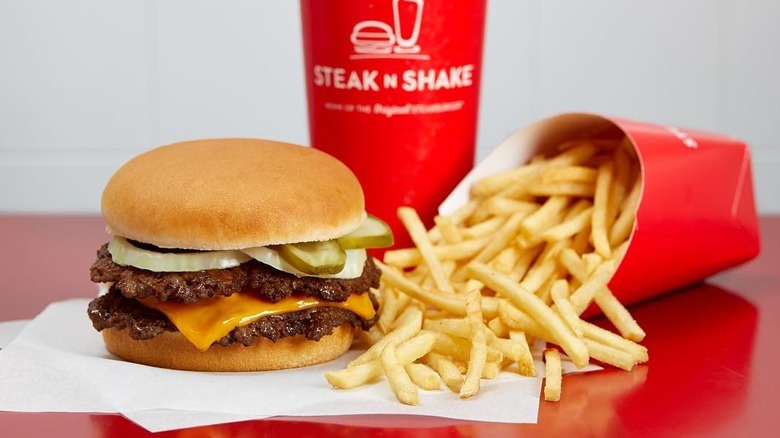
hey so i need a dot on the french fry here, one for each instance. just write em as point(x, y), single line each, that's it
point(552, 375)
point(568, 189)
point(478, 353)
point(545, 217)
point(412, 349)
point(485, 228)
point(606, 354)
point(525, 363)
point(531, 250)
point(498, 327)
point(423, 376)
point(403, 387)
point(577, 153)
point(476, 364)
point(524, 263)
point(419, 236)
point(620, 251)
point(505, 260)
point(568, 228)
point(450, 326)
point(518, 320)
point(390, 308)
point(490, 370)
point(538, 275)
point(453, 304)
point(591, 260)
point(460, 215)
point(560, 296)
point(577, 208)
point(510, 349)
point(543, 315)
point(460, 348)
point(582, 297)
point(406, 352)
point(502, 237)
point(491, 185)
point(410, 324)
point(369, 337)
point(570, 173)
point(355, 376)
point(622, 226)
point(489, 307)
point(619, 315)
point(410, 257)
point(600, 210)
point(500, 206)
point(551, 250)
point(606, 337)
point(448, 229)
point(545, 292)
point(571, 261)
point(580, 243)
point(449, 372)
point(621, 181)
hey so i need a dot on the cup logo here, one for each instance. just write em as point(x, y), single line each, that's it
point(376, 39)
point(683, 136)
point(401, 34)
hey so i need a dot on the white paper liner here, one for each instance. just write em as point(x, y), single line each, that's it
point(58, 363)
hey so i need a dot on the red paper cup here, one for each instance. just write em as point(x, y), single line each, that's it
point(696, 215)
point(393, 89)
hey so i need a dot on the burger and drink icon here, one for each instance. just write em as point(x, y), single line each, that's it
point(377, 39)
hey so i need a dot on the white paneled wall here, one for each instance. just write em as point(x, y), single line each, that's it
point(86, 84)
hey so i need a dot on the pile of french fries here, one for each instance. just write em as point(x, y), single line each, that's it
point(529, 253)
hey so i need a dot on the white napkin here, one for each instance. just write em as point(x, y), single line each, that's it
point(58, 363)
point(9, 330)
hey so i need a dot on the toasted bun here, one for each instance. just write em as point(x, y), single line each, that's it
point(232, 194)
point(172, 350)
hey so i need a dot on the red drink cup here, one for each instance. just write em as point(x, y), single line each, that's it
point(393, 90)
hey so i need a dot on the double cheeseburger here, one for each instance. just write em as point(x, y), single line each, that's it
point(235, 255)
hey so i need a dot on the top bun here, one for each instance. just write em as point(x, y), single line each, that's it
point(232, 194)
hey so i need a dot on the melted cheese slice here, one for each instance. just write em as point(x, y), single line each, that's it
point(207, 321)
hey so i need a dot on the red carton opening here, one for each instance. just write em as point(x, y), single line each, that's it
point(696, 215)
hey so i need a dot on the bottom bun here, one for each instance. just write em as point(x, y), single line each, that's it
point(172, 350)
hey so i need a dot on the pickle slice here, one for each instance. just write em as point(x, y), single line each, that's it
point(372, 233)
point(314, 258)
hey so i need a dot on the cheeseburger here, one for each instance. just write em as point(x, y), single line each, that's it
point(235, 255)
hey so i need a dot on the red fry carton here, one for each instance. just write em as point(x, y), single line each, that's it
point(696, 215)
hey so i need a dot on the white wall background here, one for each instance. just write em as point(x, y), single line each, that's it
point(87, 84)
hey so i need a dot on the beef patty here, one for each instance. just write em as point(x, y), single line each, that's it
point(119, 308)
point(114, 310)
point(191, 287)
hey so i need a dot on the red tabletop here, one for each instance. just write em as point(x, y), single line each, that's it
point(713, 368)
